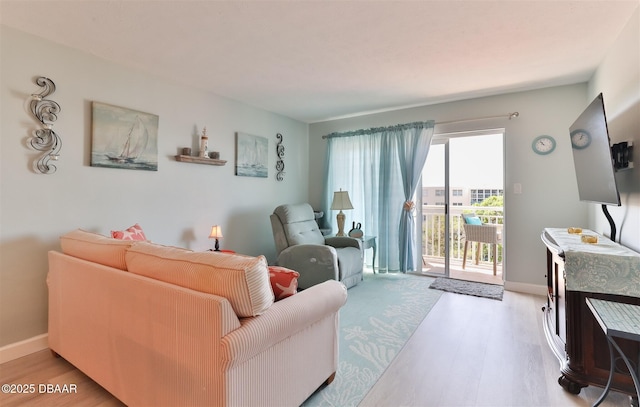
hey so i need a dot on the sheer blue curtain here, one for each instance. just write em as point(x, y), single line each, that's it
point(413, 149)
point(379, 169)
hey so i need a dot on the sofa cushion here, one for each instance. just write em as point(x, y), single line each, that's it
point(96, 248)
point(284, 281)
point(132, 233)
point(243, 280)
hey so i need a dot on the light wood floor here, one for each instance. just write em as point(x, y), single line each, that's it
point(473, 351)
point(42, 368)
point(467, 352)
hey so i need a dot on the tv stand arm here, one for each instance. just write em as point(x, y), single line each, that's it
point(611, 222)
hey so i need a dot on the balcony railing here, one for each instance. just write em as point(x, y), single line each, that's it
point(433, 243)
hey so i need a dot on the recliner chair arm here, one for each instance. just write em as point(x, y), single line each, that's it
point(343, 241)
point(315, 263)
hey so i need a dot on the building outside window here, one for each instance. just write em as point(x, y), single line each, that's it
point(479, 195)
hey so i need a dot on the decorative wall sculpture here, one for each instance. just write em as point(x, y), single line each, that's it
point(45, 139)
point(280, 162)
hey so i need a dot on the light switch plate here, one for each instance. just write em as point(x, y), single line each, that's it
point(517, 188)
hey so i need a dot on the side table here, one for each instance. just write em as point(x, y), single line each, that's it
point(369, 242)
point(617, 320)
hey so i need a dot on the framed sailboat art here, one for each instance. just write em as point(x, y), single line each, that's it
point(124, 138)
point(251, 155)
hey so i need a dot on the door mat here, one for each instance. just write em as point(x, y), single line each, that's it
point(452, 285)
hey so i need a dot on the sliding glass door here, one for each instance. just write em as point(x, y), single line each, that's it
point(434, 206)
point(463, 174)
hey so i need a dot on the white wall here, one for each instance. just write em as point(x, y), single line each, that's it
point(549, 190)
point(618, 78)
point(175, 205)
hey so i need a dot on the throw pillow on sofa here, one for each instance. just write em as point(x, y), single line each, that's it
point(284, 281)
point(132, 233)
point(243, 280)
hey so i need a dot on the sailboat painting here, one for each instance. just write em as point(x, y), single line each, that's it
point(251, 155)
point(124, 138)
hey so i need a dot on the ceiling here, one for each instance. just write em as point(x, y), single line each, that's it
point(317, 60)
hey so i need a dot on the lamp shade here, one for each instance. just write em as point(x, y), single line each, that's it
point(216, 232)
point(341, 201)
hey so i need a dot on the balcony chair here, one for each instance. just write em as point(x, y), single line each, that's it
point(476, 231)
point(301, 246)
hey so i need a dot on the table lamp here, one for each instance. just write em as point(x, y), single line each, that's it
point(216, 233)
point(341, 201)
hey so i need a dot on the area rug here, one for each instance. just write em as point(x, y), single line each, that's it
point(380, 315)
point(452, 285)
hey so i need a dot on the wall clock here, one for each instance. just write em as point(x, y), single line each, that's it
point(543, 145)
point(580, 139)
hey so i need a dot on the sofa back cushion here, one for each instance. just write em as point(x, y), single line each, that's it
point(243, 280)
point(96, 248)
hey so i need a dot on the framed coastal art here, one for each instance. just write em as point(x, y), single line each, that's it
point(123, 138)
point(251, 155)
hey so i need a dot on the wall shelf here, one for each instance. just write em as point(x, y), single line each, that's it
point(199, 160)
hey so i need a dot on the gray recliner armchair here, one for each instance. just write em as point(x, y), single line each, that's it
point(301, 246)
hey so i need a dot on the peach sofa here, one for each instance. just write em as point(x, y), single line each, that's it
point(162, 326)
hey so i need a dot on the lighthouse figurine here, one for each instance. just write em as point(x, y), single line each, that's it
point(204, 144)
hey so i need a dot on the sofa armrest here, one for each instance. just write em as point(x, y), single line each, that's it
point(315, 263)
point(282, 320)
point(343, 241)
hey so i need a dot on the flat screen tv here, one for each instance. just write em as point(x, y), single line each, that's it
point(592, 158)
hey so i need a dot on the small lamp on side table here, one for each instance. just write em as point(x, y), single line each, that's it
point(341, 201)
point(216, 233)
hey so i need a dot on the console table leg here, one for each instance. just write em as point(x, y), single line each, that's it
point(569, 385)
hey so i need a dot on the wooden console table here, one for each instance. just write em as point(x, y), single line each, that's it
point(577, 271)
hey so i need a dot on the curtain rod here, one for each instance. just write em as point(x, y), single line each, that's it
point(509, 116)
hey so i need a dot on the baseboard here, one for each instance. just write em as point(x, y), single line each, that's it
point(526, 288)
point(23, 348)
